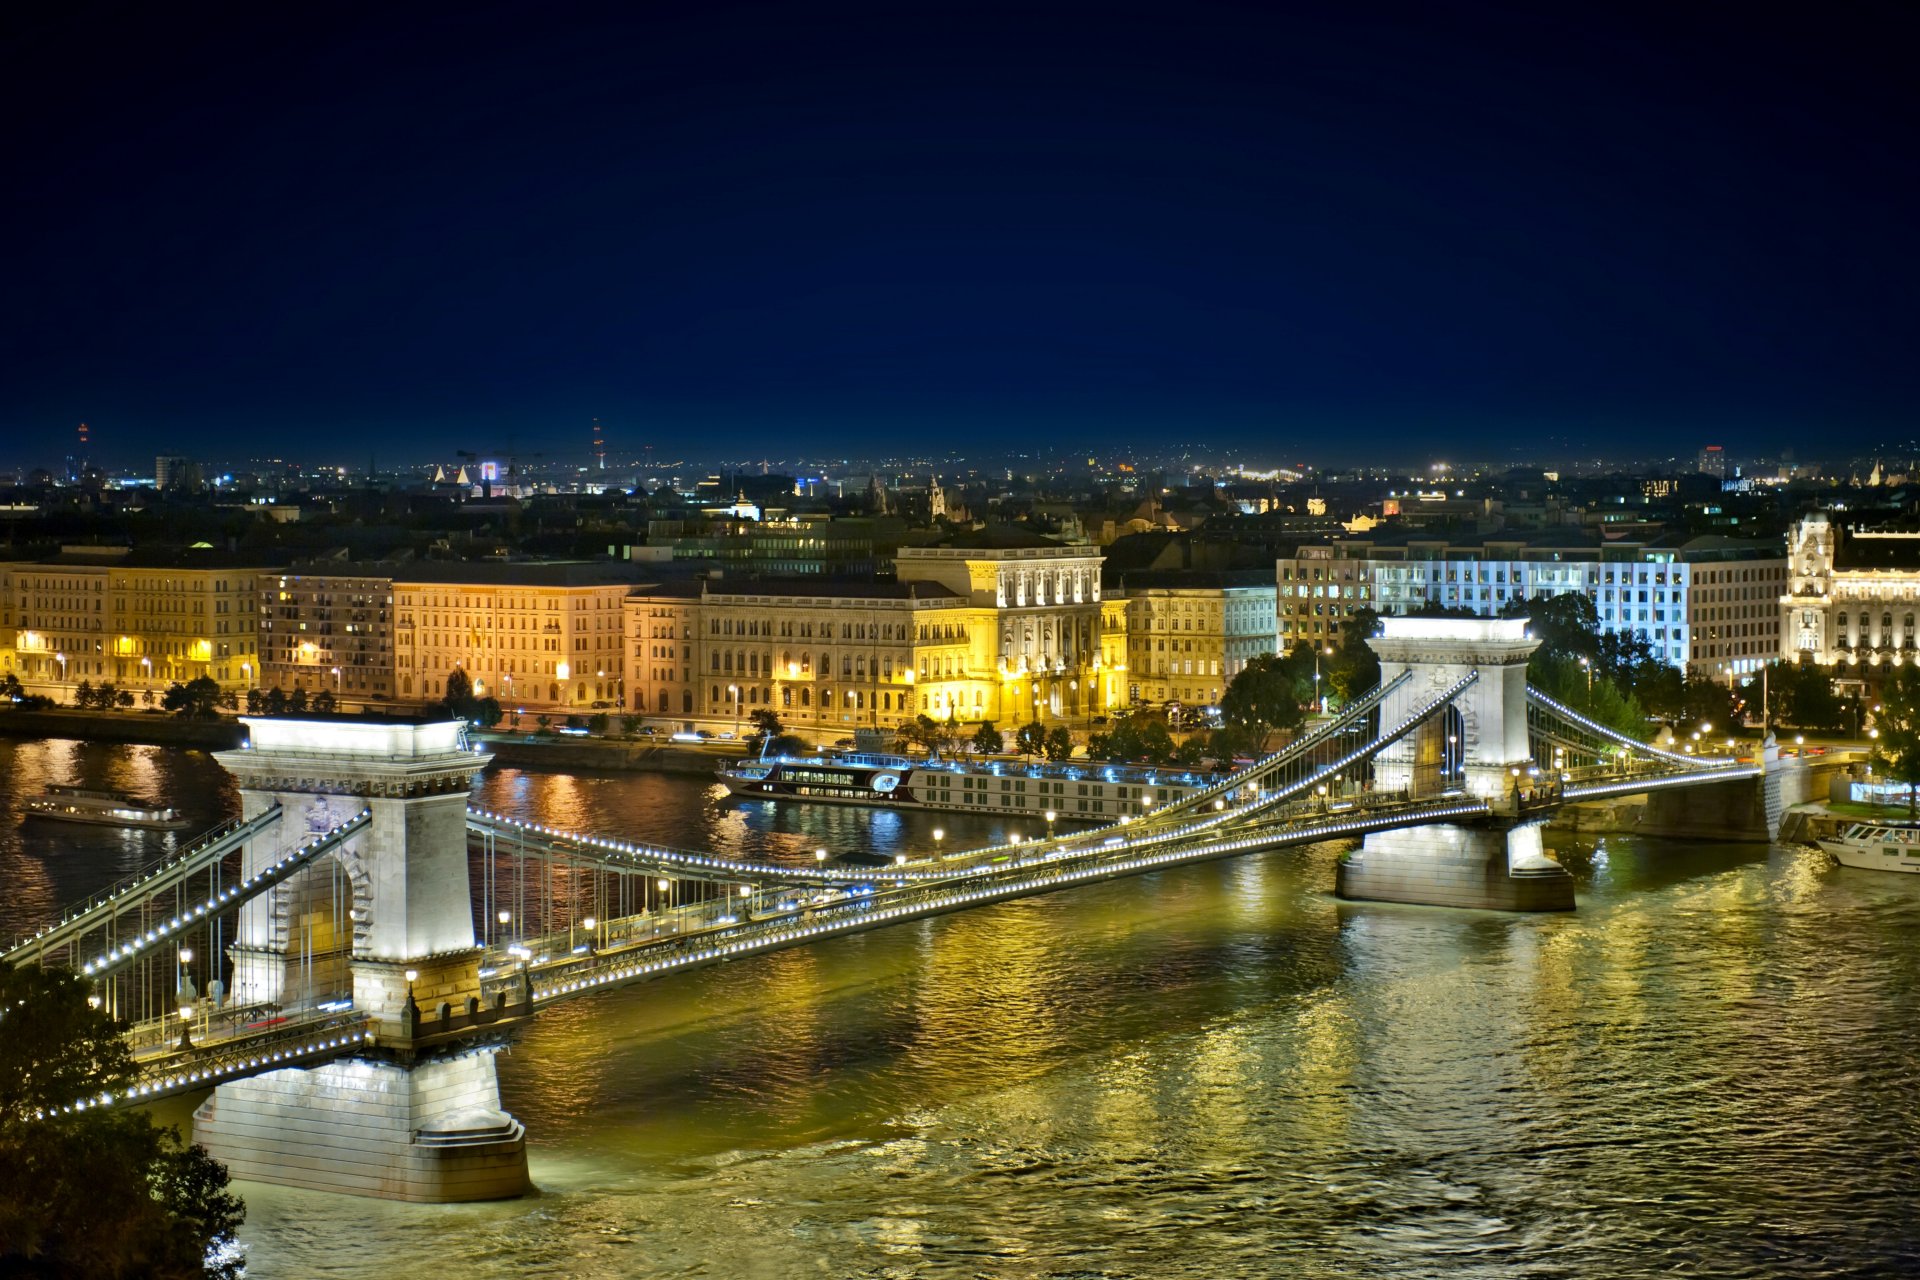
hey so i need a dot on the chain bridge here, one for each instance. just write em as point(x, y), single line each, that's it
point(385, 939)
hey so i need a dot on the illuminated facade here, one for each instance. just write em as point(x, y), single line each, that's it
point(1852, 596)
point(135, 620)
point(1010, 633)
point(1045, 604)
point(328, 627)
point(1707, 604)
point(538, 637)
point(1189, 633)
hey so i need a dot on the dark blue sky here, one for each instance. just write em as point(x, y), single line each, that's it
point(1331, 232)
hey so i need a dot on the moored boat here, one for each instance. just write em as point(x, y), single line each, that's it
point(1088, 791)
point(1877, 846)
point(102, 808)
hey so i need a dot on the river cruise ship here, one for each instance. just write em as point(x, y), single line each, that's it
point(103, 809)
point(1086, 791)
point(1877, 846)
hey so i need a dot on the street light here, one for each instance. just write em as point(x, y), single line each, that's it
point(939, 834)
point(665, 886)
point(1587, 666)
point(1050, 817)
point(734, 690)
point(336, 681)
point(819, 855)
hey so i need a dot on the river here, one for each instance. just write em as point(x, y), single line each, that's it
point(1712, 1068)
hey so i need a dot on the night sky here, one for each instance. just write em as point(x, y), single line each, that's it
point(1332, 233)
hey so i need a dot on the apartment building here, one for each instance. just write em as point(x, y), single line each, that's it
point(1189, 632)
point(141, 620)
point(1707, 604)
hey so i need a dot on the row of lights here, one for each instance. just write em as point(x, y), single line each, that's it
point(200, 850)
point(265, 876)
point(185, 1079)
point(1304, 835)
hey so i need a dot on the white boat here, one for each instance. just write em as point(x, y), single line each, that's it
point(1877, 846)
point(103, 809)
point(1085, 791)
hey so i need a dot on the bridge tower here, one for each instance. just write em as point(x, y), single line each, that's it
point(1477, 748)
point(383, 923)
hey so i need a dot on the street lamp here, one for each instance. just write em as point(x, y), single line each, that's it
point(61, 658)
point(1587, 666)
point(1051, 815)
point(665, 886)
point(505, 918)
point(819, 855)
point(1319, 701)
point(146, 669)
point(734, 690)
point(590, 924)
point(939, 834)
point(336, 681)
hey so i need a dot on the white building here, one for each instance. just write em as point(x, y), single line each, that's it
point(1702, 604)
point(1852, 595)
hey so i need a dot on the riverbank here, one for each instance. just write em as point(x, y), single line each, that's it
point(609, 754)
point(157, 729)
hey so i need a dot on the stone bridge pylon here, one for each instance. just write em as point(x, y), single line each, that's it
point(383, 925)
point(1477, 748)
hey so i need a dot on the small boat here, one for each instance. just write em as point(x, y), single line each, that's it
point(104, 809)
point(1877, 846)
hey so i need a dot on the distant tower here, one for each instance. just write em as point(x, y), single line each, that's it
point(877, 495)
point(599, 445)
point(84, 456)
point(936, 499)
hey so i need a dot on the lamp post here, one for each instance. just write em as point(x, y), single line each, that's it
point(146, 670)
point(336, 682)
point(505, 918)
point(734, 691)
point(413, 1010)
point(1051, 815)
point(1587, 666)
point(591, 925)
point(1319, 700)
point(665, 886)
point(939, 834)
point(61, 658)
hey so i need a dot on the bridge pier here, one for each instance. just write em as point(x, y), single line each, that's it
point(1493, 867)
point(428, 1131)
point(384, 924)
point(1478, 749)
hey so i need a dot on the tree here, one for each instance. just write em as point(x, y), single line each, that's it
point(1032, 739)
point(1802, 696)
point(629, 725)
point(324, 703)
point(1059, 743)
point(599, 722)
point(100, 1192)
point(766, 727)
point(459, 687)
point(275, 703)
point(1353, 668)
point(987, 740)
point(1896, 746)
point(1263, 698)
point(1191, 752)
point(197, 699)
point(297, 701)
point(83, 694)
point(487, 713)
point(1156, 744)
point(11, 690)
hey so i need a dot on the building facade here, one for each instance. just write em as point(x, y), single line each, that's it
point(1852, 596)
point(1189, 633)
point(138, 620)
point(1707, 604)
point(329, 627)
point(539, 637)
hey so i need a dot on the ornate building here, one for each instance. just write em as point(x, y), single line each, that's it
point(1852, 596)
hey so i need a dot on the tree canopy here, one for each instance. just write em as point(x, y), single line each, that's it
point(1264, 698)
point(1896, 746)
point(101, 1192)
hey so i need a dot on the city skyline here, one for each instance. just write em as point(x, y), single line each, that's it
point(1486, 231)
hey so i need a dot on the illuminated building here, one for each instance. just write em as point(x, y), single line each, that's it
point(1706, 604)
point(328, 627)
point(1852, 596)
point(136, 619)
point(539, 637)
point(1190, 632)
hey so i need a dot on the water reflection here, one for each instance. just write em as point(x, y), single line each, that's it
point(1216, 1071)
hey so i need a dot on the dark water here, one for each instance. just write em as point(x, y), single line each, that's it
point(1711, 1069)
